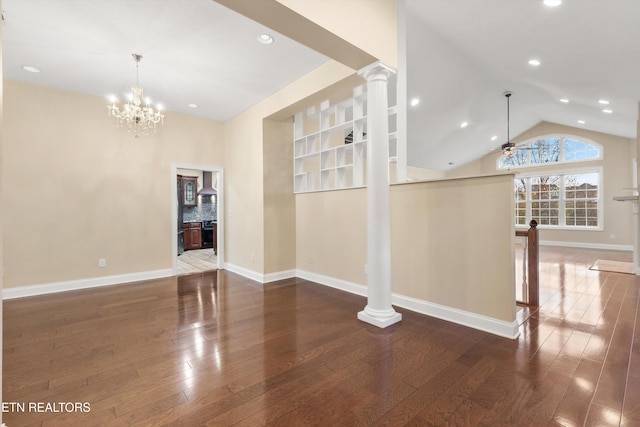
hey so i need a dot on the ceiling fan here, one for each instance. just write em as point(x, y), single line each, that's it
point(508, 147)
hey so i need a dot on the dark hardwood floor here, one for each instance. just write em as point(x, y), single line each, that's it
point(218, 349)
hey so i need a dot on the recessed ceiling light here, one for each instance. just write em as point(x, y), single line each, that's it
point(414, 102)
point(265, 38)
point(192, 105)
point(494, 137)
point(607, 111)
point(603, 102)
point(552, 3)
point(564, 100)
point(534, 62)
point(581, 122)
point(464, 125)
point(30, 68)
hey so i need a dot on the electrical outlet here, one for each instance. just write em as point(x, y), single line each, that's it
point(102, 262)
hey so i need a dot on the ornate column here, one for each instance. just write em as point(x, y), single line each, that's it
point(378, 311)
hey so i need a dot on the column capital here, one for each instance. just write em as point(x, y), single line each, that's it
point(376, 70)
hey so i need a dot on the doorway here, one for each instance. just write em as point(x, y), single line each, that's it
point(197, 219)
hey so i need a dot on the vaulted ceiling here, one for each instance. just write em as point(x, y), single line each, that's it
point(464, 54)
point(461, 57)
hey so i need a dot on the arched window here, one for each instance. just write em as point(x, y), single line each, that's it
point(551, 149)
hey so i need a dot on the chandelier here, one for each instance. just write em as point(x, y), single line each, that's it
point(137, 116)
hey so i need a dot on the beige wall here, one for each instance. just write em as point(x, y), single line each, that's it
point(331, 234)
point(279, 200)
point(618, 152)
point(452, 244)
point(76, 188)
point(251, 186)
point(451, 241)
point(370, 25)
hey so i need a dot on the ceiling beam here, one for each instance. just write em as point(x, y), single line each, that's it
point(291, 24)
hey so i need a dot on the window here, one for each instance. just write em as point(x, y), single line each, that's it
point(569, 200)
point(555, 149)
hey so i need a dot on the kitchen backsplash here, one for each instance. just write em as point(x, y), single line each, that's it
point(205, 210)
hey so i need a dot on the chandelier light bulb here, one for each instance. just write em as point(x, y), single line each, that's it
point(138, 117)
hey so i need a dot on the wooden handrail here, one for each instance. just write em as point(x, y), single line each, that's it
point(533, 252)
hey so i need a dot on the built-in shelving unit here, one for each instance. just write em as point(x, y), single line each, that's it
point(330, 144)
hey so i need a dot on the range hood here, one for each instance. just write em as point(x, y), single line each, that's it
point(207, 185)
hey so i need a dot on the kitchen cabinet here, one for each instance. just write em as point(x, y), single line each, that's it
point(192, 235)
point(190, 190)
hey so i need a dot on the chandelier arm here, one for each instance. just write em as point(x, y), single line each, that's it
point(139, 118)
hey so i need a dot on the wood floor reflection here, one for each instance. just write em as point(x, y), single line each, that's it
point(218, 349)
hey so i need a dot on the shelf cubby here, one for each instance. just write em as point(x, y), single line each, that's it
point(330, 144)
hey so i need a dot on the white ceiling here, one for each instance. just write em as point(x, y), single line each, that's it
point(194, 51)
point(462, 56)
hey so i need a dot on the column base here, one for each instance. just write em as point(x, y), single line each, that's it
point(379, 318)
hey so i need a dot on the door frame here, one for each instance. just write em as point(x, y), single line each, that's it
point(219, 211)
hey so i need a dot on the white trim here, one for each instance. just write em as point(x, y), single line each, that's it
point(561, 160)
point(278, 275)
point(461, 317)
point(174, 210)
point(253, 275)
point(343, 285)
point(603, 246)
point(259, 277)
point(72, 285)
point(562, 200)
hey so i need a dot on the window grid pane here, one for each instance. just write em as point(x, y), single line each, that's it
point(550, 150)
point(575, 149)
point(582, 194)
point(559, 200)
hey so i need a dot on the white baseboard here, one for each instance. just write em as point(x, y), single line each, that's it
point(73, 285)
point(602, 246)
point(260, 277)
point(279, 275)
point(461, 317)
point(332, 282)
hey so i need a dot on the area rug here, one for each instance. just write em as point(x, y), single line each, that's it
point(613, 266)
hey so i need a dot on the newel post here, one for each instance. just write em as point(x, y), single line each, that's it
point(533, 259)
